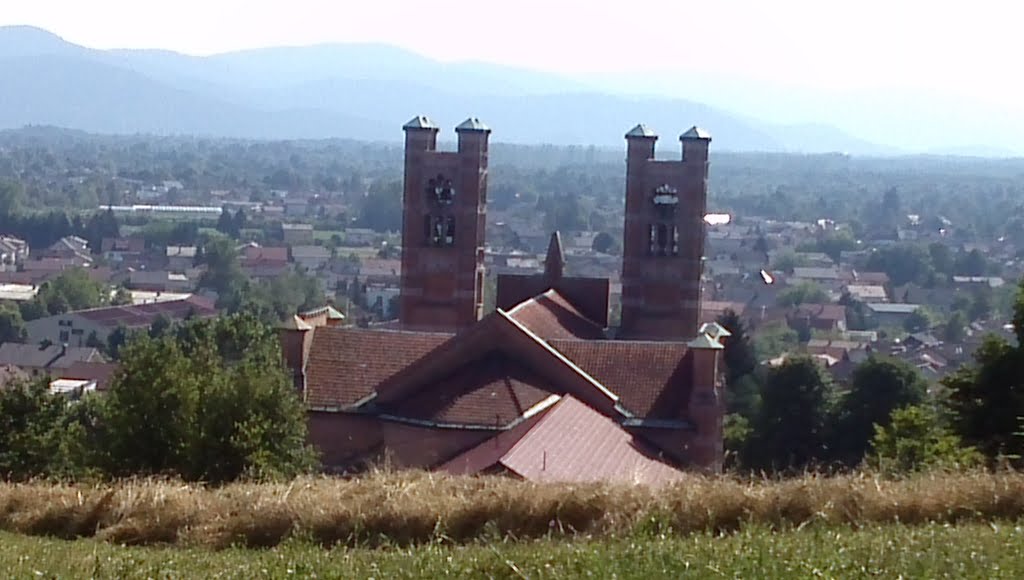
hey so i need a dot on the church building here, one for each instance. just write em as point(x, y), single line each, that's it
point(542, 388)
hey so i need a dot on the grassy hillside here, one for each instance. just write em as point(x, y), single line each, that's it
point(891, 551)
point(413, 508)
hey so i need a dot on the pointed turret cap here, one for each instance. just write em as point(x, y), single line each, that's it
point(704, 341)
point(296, 323)
point(333, 314)
point(420, 122)
point(473, 124)
point(695, 132)
point(641, 131)
point(715, 330)
point(554, 262)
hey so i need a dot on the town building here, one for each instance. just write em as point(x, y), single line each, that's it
point(83, 327)
point(46, 359)
point(544, 387)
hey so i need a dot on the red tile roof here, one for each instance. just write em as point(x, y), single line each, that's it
point(346, 364)
point(570, 443)
point(551, 316)
point(257, 254)
point(650, 378)
point(101, 372)
point(493, 391)
point(143, 315)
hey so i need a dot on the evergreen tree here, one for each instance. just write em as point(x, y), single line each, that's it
point(878, 386)
point(791, 428)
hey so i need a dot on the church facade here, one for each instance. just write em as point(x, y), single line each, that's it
point(542, 388)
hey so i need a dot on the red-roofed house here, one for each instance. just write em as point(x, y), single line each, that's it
point(542, 388)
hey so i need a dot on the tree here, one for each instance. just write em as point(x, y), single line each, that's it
point(919, 320)
point(803, 293)
point(227, 225)
point(879, 385)
point(790, 430)
point(223, 272)
point(36, 438)
point(987, 398)
point(72, 290)
point(122, 297)
point(742, 386)
point(605, 243)
point(12, 326)
point(903, 263)
point(955, 329)
point(971, 263)
point(210, 402)
point(381, 208)
point(915, 439)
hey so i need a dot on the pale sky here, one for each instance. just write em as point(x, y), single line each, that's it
point(970, 48)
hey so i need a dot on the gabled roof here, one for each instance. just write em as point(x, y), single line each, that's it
point(295, 323)
point(345, 365)
point(499, 332)
point(695, 133)
point(420, 122)
point(550, 315)
point(652, 379)
point(641, 131)
point(570, 443)
point(493, 391)
point(54, 356)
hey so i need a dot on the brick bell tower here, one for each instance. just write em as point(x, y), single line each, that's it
point(443, 220)
point(663, 245)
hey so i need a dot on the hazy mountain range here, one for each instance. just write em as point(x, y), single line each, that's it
point(365, 91)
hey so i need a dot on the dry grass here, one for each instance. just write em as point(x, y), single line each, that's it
point(414, 507)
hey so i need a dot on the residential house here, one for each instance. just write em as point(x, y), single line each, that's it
point(891, 314)
point(119, 250)
point(817, 317)
point(69, 248)
point(13, 251)
point(865, 293)
point(297, 234)
point(81, 327)
point(360, 237)
point(310, 258)
point(160, 281)
point(180, 258)
point(38, 359)
point(265, 262)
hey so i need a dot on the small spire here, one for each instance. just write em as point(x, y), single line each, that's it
point(420, 122)
point(641, 131)
point(695, 133)
point(554, 262)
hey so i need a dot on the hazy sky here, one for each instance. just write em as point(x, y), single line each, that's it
point(967, 48)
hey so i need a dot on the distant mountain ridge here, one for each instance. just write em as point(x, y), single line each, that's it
point(359, 91)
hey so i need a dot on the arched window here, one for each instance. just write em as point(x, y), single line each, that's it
point(662, 239)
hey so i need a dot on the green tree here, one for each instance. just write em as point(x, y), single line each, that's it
point(12, 325)
point(803, 293)
point(381, 209)
point(740, 359)
point(791, 428)
point(72, 290)
point(223, 272)
point(915, 439)
point(36, 437)
point(605, 243)
point(878, 386)
point(987, 398)
point(919, 320)
point(122, 297)
point(210, 402)
point(955, 329)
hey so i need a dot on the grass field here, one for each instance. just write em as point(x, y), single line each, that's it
point(888, 551)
